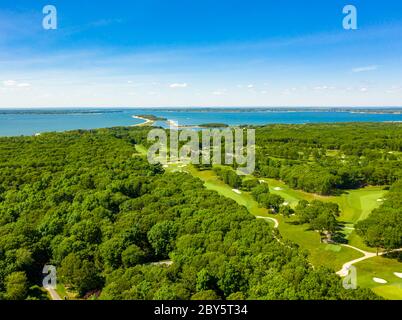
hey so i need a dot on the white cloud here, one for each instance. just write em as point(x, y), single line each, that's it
point(363, 89)
point(249, 86)
point(23, 85)
point(178, 85)
point(218, 92)
point(9, 83)
point(13, 84)
point(133, 84)
point(394, 89)
point(321, 88)
point(365, 69)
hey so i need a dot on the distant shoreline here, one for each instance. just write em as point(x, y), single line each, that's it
point(395, 110)
point(146, 123)
point(15, 123)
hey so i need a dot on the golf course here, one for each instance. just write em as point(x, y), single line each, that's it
point(355, 205)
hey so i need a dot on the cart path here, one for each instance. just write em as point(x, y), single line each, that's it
point(367, 255)
point(276, 226)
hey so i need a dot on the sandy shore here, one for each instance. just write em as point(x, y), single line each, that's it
point(147, 122)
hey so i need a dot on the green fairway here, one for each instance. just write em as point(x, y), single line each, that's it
point(290, 195)
point(319, 252)
point(212, 182)
point(384, 268)
point(355, 205)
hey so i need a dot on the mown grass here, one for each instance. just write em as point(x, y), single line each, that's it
point(356, 241)
point(384, 268)
point(355, 205)
point(320, 254)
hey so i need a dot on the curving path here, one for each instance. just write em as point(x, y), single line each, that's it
point(345, 268)
point(276, 226)
point(367, 255)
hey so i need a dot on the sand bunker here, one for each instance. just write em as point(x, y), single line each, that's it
point(236, 191)
point(398, 274)
point(379, 280)
point(278, 189)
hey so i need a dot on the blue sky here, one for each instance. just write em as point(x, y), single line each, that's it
point(200, 53)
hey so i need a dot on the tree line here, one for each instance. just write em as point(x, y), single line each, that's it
point(87, 203)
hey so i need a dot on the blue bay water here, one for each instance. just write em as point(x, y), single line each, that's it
point(29, 122)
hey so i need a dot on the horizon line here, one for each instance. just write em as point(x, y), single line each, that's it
point(199, 107)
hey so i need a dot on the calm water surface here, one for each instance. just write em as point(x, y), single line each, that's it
point(14, 123)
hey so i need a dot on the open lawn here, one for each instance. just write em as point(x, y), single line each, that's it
point(320, 254)
point(212, 182)
point(355, 205)
point(383, 268)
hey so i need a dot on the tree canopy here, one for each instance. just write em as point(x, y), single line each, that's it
point(88, 203)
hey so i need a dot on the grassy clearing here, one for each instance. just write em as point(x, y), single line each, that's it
point(384, 268)
point(290, 195)
point(212, 182)
point(320, 254)
point(355, 205)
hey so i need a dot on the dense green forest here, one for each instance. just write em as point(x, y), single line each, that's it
point(326, 158)
point(87, 203)
point(383, 228)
